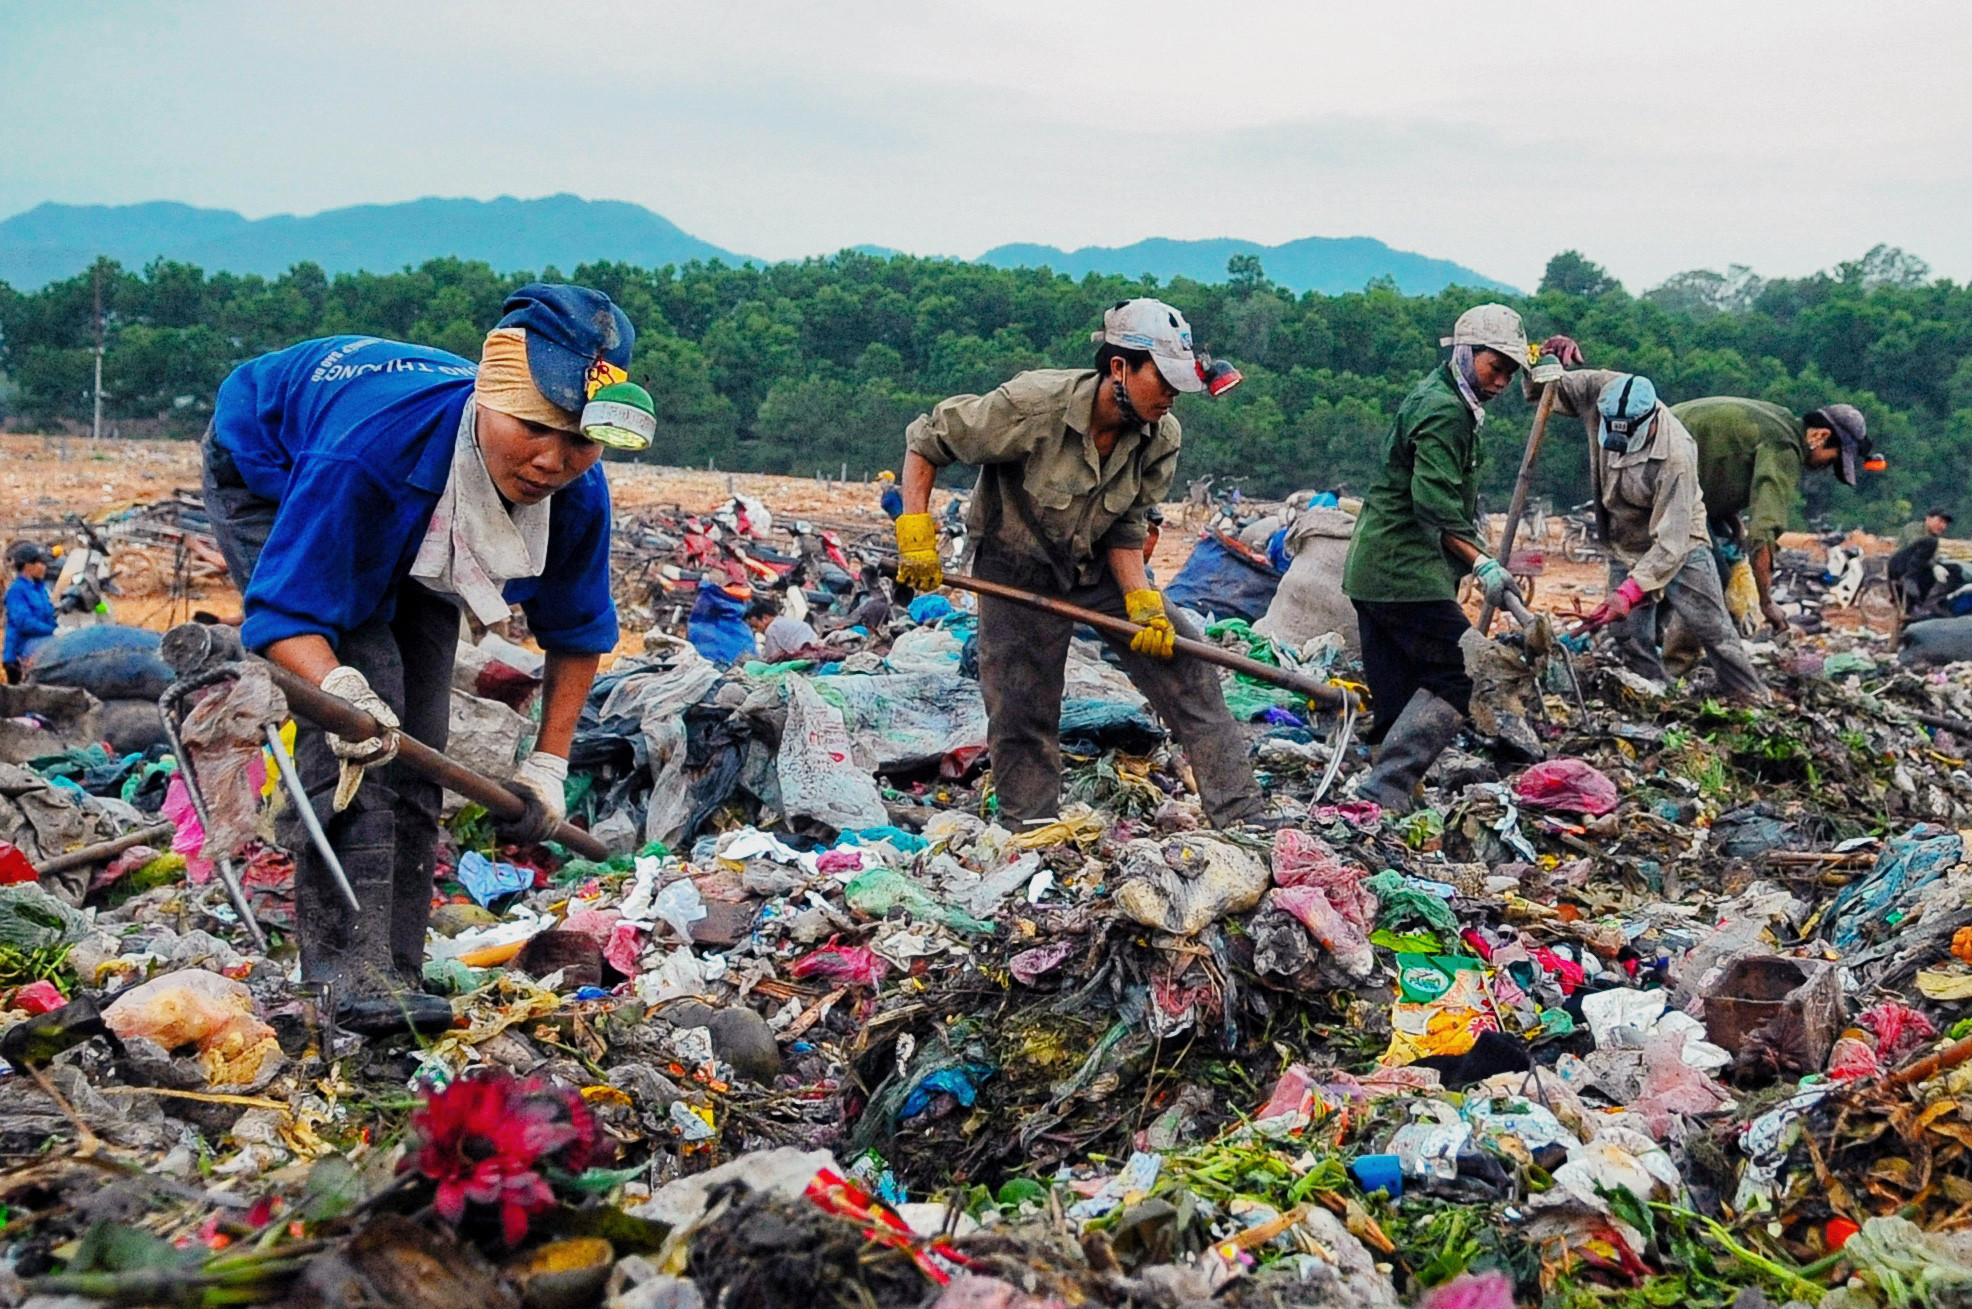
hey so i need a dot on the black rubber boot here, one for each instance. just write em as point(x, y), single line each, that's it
point(1413, 743)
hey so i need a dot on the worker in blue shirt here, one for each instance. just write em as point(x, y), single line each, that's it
point(889, 497)
point(363, 492)
point(30, 613)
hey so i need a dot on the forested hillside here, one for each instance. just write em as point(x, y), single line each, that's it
point(802, 367)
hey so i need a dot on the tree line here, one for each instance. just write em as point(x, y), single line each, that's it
point(805, 367)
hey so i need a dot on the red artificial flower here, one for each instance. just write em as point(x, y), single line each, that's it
point(481, 1138)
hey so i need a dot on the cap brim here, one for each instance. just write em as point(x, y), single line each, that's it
point(1182, 374)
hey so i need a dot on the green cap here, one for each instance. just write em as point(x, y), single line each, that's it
point(621, 415)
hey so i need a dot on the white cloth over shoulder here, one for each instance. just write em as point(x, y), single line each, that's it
point(476, 542)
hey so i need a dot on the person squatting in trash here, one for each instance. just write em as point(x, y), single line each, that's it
point(1650, 513)
point(363, 491)
point(1416, 537)
point(1071, 462)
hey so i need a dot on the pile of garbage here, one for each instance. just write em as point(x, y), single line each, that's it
point(1653, 1000)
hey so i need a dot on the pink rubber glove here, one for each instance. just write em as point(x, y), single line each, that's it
point(1617, 607)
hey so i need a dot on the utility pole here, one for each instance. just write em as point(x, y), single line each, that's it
point(96, 424)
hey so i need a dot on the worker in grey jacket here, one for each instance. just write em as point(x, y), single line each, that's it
point(1644, 467)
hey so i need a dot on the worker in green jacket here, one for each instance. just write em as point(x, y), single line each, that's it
point(1415, 538)
point(1751, 455)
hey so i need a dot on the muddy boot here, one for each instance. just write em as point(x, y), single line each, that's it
point(1418, 737)
point(351, 952)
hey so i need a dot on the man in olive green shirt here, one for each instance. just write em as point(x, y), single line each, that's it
point(1935, 523)
point(1750, 458)
point(1415, 538)
point(1071, 463)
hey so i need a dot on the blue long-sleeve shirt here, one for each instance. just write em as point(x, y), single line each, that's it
point(352, 437)
point(30, 616)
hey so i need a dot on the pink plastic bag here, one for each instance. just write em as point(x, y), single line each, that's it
point(1899, 1029)
point(1566, 784)
point(1029, 965)
point(1334, 933)
point(850, 965)
point(1303, 860)
point(189, 840)
point(1673, 1088)
point(1850, 1059)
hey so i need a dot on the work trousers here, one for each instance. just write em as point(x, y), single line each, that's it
point(1698, 600)
point(387, 839)
point(1023, 659)
point(1411, 646)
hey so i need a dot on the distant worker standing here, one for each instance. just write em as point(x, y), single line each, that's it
point(30, 613)
point(1070, 463)
point(1644, 469)
point(1750, 458)
point(363, 491)
point(890, 499)
point(1416, 537)
point(1934, 524)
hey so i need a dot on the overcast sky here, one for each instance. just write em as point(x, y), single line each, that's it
point(1655, 137)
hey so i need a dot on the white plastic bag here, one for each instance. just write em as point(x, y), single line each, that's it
point(818, 777)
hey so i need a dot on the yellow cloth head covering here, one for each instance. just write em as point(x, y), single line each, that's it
point(506, 386)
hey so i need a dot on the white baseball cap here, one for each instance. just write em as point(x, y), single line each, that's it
point(1492, 327)
point(1147, 324)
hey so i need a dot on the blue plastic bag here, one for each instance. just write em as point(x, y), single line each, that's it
point(717, 628)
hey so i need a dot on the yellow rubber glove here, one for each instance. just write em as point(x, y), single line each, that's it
point(1158, 638)
point(917, 553)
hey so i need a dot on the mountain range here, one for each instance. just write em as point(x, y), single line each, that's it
point(55, 241)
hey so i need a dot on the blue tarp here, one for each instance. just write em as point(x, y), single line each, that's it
point(1219, 582)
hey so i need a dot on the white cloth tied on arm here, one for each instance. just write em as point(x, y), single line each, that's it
point(476, 542)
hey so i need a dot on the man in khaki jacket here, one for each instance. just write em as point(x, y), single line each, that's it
point(1071, 462)
point(1652, 513)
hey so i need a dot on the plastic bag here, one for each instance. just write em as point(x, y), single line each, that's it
point(851, 965)
point(1185, 884)
point(876, 891)
point(1898, 1028)
point(1335, 933)
point(486, 881)
point(195, 1007)
point(1567, 784)
point(680, 904)
point(818, 778)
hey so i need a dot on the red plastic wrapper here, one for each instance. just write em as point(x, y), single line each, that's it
point(1851, 1059)
point(37, 998)
point(1570, 785)
point(14, 866)
point(1898, 1028)
point(836, 1194)
point(851, 965)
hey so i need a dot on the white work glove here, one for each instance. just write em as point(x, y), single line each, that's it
point(545, 776)
point(348, 684)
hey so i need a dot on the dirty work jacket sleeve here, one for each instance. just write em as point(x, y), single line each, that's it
point(972, 429)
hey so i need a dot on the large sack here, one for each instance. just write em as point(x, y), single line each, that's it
point(1310, 602)
point(1220, 582)
point(108, 661)
point(1936, 641)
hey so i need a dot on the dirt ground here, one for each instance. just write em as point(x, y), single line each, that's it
point(43, 479)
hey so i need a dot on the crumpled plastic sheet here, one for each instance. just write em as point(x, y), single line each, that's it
point(1672, 1087)
point(876, 891)
point(1029, 966)
point(225, 734)
point(1400, 901)
point(819, 778)
point(902, 720)
point(1571, 785)
point(486, 881)
point(1898, 1028)
point(655, 697)
point(1906, 866)
point(852, 965)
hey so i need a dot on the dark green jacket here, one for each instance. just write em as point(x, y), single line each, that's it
point(1750, 456)
point(1428, 487)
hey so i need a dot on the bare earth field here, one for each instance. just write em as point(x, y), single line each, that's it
point(43, 479)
